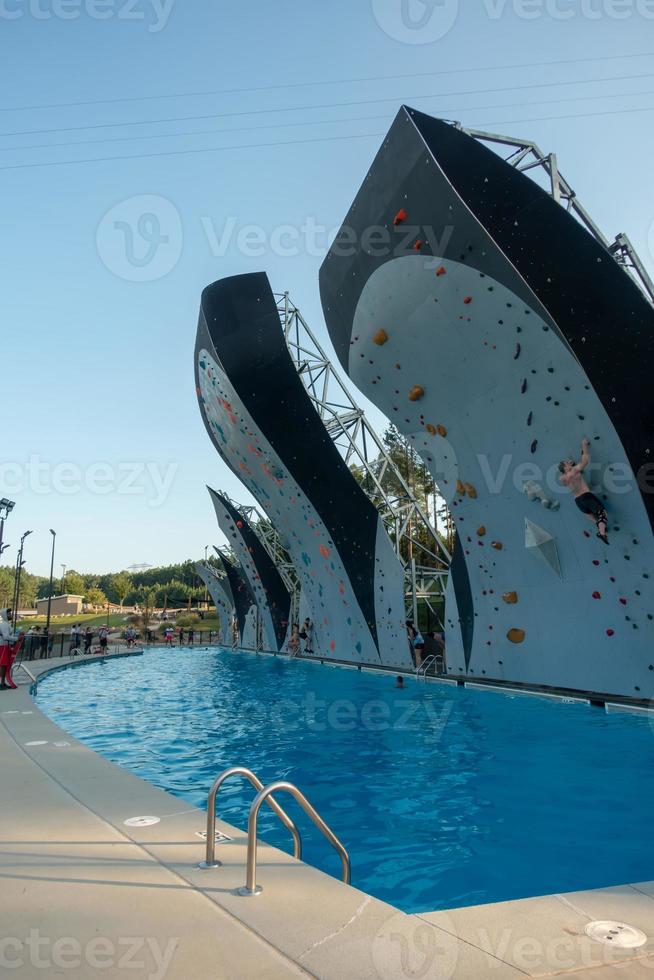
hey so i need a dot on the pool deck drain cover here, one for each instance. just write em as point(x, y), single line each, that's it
point(142, 821)
point(617, 934)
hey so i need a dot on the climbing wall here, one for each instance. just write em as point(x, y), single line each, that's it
point(263, 424)
point(496, 333)
point(221, 595)
point(245, 605)
point(266, 584)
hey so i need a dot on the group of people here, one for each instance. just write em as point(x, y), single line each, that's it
point(299, 635)
point(433, 645)
point(79, 635)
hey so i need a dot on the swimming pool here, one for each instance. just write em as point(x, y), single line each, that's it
point(444, 796)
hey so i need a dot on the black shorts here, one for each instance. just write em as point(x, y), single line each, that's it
point(588, 503)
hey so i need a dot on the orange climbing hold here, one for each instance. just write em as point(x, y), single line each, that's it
point(400, 217)
point(511, 598)
point(460, 488)
point(417, 246)
point(481, 531)
point(442, 271)
point(497, 545)
point(324, 551)
point(416, 393)
point(516, 636)
point(470, 490)
point(431, 429)
point(380, 338)
point(442, 431)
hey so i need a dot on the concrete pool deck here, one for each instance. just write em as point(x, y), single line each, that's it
point(84, 895)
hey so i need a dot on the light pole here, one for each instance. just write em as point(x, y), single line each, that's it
point(63, 579)
point(19, 568)
point(6, 507)
point(47, 622)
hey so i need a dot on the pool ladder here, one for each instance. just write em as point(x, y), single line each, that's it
point(421, 671)
point(265, 795)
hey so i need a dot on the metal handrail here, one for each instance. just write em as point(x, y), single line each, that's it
point(251, 887)
point(210, 859)
point(424, 667)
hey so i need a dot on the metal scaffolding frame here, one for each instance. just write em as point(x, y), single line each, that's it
point(526, 155)
point(427, 569)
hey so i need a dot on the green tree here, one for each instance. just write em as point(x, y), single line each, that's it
point(74, 583)
point(95, 597)
point(120, 586)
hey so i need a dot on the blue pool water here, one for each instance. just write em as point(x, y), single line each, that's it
point(444, 797)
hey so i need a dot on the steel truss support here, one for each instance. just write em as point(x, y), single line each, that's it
point(361, 447)
point(525, 155)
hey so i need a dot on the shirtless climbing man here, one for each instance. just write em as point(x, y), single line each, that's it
point(590, 505)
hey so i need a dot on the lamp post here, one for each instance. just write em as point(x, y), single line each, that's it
point(47, 622)
point(63, 579)
point(19, 568)
point(6, 507)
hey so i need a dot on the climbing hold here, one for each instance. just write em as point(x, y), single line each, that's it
point(597, 595)
point(380, 338)
point(468, 300)
point(523, 386)
point(610, 632)
point(497, 545)
point(511, 598)
point(481, 531)
point(530, 418)
point(239, 525)
point(470, 490)
point(416, 393)
point(442, 431)
point(518, 349)
point(534, 492)
point(431, 429)
point(400, 217)
point(623, 602)
point(417, 246)
point(534, 446)
point(543, 545)
point(460, 488)
point(442, 271)
point(516, 636)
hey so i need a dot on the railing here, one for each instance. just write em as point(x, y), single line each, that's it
point(421, 671)
point(251, 887)
point(210, 858)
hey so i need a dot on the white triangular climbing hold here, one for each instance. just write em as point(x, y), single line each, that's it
point(542, 544)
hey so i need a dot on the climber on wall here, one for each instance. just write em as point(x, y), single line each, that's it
point(571, 477)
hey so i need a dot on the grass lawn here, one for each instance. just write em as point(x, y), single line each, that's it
point(65, 622)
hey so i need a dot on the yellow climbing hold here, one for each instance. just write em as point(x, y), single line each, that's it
point(442, 431)
point(416, 393)
point(481, 531)
point(511, 598)
point(380, 338)
point(470, 490)
point(460, 488)
point(431, 429)
point(516, 636)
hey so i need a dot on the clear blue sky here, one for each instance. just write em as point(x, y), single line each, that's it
point(97, 364)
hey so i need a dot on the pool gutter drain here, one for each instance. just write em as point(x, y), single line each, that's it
point(142, 821)
point(617, 934)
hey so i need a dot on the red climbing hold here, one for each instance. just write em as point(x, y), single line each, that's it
point(595, 562)
point(239, 525)
point(610, 632)
point(623, 602)
point(597, 595)
point(400, 217)
point(468, 300)
point(417, 246)
point(442, 271)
